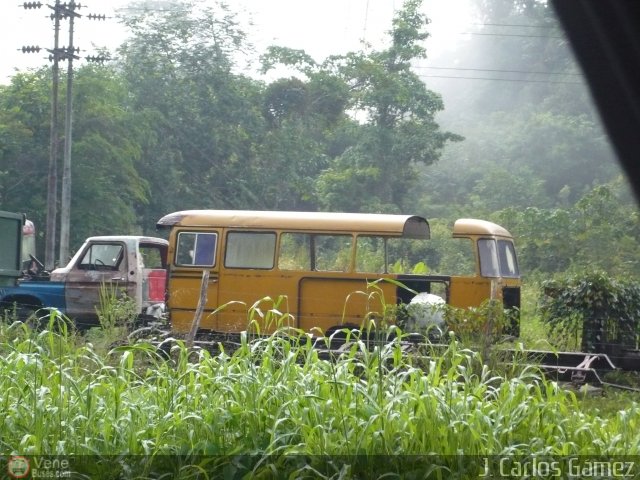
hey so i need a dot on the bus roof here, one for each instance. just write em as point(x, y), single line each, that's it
point(410, 226)
point(472, 226)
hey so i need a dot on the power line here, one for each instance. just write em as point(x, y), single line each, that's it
point(366, 19)
point(505, 79)
point(496, 70)
point(509, 35)
point(555, 27)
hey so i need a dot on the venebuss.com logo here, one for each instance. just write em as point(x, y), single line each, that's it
point(18, 467)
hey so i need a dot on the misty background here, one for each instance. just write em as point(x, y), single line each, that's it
point(499, 125)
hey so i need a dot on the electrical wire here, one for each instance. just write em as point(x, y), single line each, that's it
point(510, 35)
point(556, 27)
point(503, 79)
point(527, 72)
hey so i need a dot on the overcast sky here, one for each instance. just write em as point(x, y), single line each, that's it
point(319, 28)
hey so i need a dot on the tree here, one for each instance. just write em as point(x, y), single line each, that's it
point(108, 189)
point(602, 230)
point(306, 124)
point(24, 146)
point(397, 113)
point(179, 68)
point(532, 119)
point(392, 125)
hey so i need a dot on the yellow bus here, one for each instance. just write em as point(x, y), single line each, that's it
point(323, 265)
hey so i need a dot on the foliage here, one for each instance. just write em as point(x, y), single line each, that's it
point(206, 118)
point(604, 310)
point(395, 113)
point(484, 324)
point(273, 401)
point(602, 230)
point(116, 308)
point(534, 145)
point(167, 126)
point(534, 333)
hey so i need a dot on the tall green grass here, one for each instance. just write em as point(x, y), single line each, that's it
point(276, 402)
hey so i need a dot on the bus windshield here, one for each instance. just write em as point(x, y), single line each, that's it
point(497, 258)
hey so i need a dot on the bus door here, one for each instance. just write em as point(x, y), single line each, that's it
point(195, 252)
point(470, 291)
point(473, 280)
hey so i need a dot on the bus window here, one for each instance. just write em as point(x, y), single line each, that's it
point(458, 258)
point(250, 250)
point(196, 249)
point(488, 258)
point(407, 255)
point(295, 251)
point(370, 254)
point(508, 262)
point(332, 253)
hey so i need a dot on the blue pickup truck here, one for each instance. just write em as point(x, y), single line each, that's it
point(132, 264)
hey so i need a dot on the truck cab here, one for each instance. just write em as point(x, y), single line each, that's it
point(135, 265)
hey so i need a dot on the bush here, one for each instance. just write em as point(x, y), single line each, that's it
point(603, 311)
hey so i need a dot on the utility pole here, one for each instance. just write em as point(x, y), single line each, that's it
point(65, 205)
point(60, 11)
point(52, 179)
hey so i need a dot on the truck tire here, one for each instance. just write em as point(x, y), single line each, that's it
point(16, 311)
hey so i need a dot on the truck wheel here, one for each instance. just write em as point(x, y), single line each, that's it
point(17, 312)
point(26, 313)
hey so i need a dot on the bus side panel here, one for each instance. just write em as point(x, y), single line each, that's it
point(268, 290)
point(330, 301)
point(184, 288)
point(469, 291)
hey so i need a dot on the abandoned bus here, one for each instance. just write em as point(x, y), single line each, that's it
point(322, 266)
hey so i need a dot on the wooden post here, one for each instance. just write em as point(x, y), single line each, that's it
point(201, 303)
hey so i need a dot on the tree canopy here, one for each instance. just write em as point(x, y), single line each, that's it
point(174, 123)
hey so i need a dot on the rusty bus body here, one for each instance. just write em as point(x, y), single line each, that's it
point(322, 265)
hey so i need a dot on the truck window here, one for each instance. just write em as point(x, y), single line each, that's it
point(250, 250)
point(196, 249)
point(151, 256)
point(102, 256)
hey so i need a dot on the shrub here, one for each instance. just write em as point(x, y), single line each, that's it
point(603, 311)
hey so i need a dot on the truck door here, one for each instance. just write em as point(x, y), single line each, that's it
point(102, 265)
